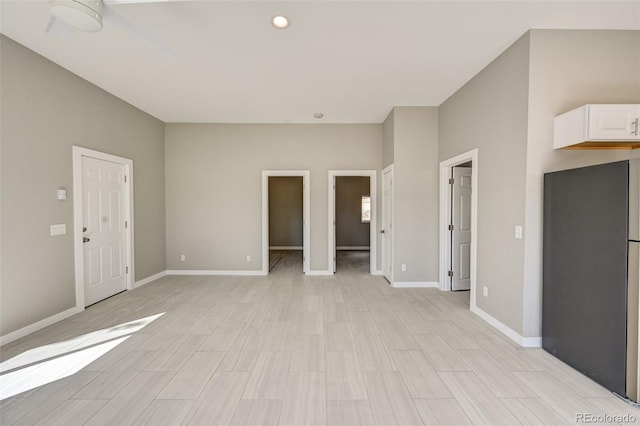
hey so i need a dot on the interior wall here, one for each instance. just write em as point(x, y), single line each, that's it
point(44, 111)
point(490, 113)
point(285, 211)
point(214, 175)
point(569, 68)
point(388, 135)
point(350, 231)
point(415, 192)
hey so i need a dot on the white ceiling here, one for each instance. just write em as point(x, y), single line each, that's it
point(222, 61)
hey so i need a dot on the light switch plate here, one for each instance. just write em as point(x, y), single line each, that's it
point(518, 232)
point(58, 229)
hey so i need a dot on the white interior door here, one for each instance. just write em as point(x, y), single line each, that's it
point(387, 224)
point(461, 233)
point(103, 217)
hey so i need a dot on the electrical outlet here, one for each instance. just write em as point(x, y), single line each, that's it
point(183, 257)
point(485, 291)
point(59, 229)
point(404, 267)
point(248, 258)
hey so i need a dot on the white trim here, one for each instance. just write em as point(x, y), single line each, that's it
point(306, 216)
point(532, 342)
point(445, 214)
point(213, 272)
point(36, 326)
point(286, 247)
point(320, 273)
point(377, 272)
point(345, 248)
point(527, 342)
point(415, 284)
point(78, 153)
point(389, 169)
point(373, 229)
point(149, 279)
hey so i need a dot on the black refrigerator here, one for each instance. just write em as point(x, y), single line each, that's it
point(591, 256)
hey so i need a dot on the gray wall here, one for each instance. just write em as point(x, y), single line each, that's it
point(387, 144)
point(568, 69)
point(44, 111)
point(350, 231)
point(285, 211)
point(214, 174)
point(490, 113)
point(415, 192)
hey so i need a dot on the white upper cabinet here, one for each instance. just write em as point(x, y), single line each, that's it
point(598, 126)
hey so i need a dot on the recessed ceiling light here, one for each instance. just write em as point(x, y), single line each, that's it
point(318, 115)
point(280, 22)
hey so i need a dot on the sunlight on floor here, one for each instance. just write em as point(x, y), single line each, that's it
point(56, 361)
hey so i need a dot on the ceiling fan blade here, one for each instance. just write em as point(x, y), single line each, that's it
point(50, 24)
point(117, 18)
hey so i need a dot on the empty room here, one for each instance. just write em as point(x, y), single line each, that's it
point(319, 212)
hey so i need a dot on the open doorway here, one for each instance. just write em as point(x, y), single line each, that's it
point(285, 221)
point(285, 224)
point(352, 221)
point(458, 223)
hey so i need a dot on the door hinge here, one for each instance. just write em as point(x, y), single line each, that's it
point(450, 273)
point(125, 178)
point(126, 223)
point(451, 181)
point(450, 227)
point(126, 269)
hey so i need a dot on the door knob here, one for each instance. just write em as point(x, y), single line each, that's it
point(382, 232)
point(84, 229)
point(85, 239)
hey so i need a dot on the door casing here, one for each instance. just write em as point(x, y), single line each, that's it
point(445, 215)
point(78, 153)
point(373, 250)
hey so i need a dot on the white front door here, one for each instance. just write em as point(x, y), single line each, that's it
point(461, 233)
point(387, 221)
point(103, 218)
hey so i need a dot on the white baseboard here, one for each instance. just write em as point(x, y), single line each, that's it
point(378, 272)
point(415, 284)
point(527, 342)
point(367, 248)
point(209, 272)
point(532, 342)
point(149, 279)
point(319, 273)
point(32, 328)
point(285, 247)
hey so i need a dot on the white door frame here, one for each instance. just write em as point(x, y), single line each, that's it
point(371, 174)
point(388, 169)
point(306, 216)
point(78, 153)
point(445, 214)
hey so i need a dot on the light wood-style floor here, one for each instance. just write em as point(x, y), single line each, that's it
point(291, 350)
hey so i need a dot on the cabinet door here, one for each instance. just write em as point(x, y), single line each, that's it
point(614, 122)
